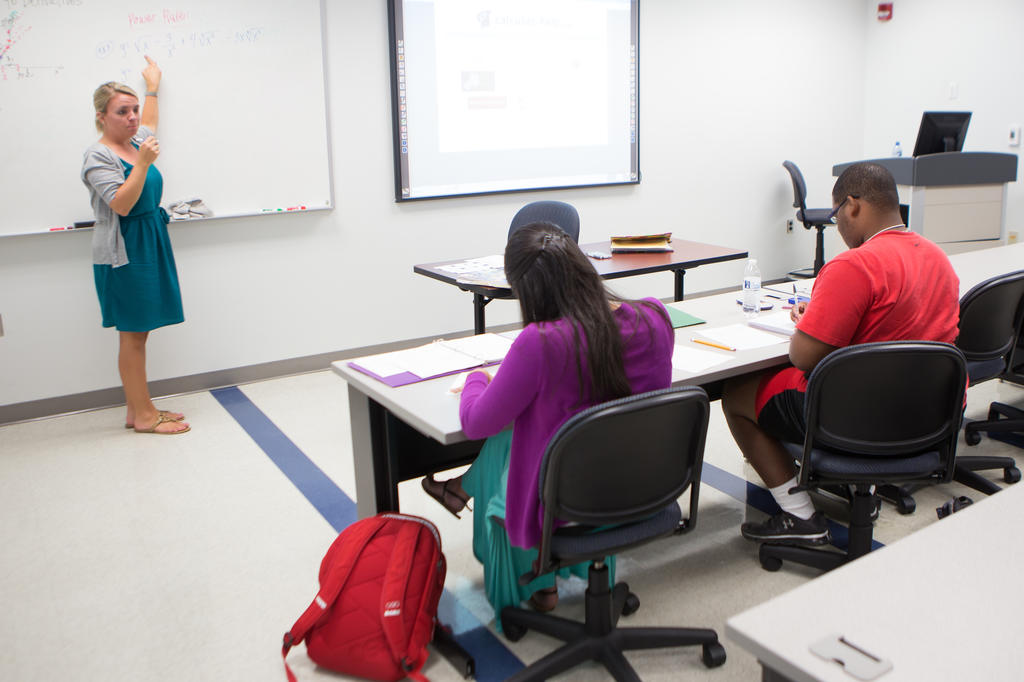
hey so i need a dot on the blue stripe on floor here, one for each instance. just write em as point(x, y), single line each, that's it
point(328, 499)
point(493, 659)
point(761, 499)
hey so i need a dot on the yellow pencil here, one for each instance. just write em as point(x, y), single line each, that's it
point(712, 344)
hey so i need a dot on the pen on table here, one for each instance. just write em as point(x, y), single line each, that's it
point(712, 344)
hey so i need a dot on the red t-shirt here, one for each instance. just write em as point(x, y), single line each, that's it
point(895, 286)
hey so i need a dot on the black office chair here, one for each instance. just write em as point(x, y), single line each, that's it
point(812, 218)
point(990, 319)
point(876, 413)
point(558, 212)
point(990, 322)
point(622, 464)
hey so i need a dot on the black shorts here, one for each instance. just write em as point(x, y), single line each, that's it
point(781, 399)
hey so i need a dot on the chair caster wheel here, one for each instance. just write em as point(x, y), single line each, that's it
point(1011, 474)
point(906, 505)
point(768, 563)
point(631, 605)
point(513, 631)
point(972, 437)
point(713, 655)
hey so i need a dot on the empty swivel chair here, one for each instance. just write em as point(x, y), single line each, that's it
point(615, 472)
point(558, 212)
point(811, 218)
point(990, 323)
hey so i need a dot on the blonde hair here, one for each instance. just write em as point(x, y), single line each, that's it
point(101, 98)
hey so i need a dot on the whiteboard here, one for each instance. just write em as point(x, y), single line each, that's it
point(243, 112)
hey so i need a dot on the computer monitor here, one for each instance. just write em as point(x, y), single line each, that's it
point(941, 131)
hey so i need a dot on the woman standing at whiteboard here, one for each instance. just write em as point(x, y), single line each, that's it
point(133, 265)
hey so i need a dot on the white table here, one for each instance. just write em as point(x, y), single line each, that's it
point(941, 604)
point(407, 432)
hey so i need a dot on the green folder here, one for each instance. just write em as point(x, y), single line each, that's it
point(681, 319)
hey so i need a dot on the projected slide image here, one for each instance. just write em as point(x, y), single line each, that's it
point(505, 95)
point(488, 91)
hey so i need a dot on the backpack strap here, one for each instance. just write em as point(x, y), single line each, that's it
point(354, 539)
point(396, 580)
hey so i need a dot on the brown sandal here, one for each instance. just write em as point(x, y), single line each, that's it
point(442, 496)
point(162, 413)
point(163, 419)
point(544, 600)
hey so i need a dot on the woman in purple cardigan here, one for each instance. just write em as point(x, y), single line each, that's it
point(581, 346)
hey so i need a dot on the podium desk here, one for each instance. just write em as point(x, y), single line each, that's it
point(955, 199)
point(686, 254)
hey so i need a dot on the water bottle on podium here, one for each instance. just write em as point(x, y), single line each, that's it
point(751, 288)
point(897, 149)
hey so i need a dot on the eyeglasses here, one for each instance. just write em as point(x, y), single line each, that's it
point(832, 216)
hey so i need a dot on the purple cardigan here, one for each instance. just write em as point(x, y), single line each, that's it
point(538, 389)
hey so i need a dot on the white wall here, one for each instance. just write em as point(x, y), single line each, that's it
point(728, 90)
point(912, 61)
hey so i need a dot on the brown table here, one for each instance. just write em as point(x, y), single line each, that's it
point(687, 254)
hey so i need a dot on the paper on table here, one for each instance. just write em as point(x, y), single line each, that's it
point(383, 364)
point(460, 379)
point(434, 359)
point(475, 265)
point(484, 347)
point(742, 337)
point(689, 359)
point(780, 323)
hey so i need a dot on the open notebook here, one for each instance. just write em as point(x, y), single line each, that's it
point(431, 360)
point(779, 322)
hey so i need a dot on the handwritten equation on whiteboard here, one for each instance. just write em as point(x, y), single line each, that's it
point(170, 43)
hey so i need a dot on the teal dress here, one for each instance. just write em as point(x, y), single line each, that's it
point(144, 294)
point(486, 481)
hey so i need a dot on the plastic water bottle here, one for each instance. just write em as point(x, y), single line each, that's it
point(897, 149)
point(751, 288)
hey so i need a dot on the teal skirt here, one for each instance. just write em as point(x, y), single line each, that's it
point(503, 563)
point(144, 294)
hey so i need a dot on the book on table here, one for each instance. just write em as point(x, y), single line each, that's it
point(642, 243)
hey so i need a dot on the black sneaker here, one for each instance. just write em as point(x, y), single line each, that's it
point(786, 529)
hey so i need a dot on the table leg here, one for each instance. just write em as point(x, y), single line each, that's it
point(679, 283)
point(376, 487)
point(479, 301)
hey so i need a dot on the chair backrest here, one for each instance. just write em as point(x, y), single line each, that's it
point(799, 186)
point(624, 460)
point(886, 401)
point(990, 318)
point(560, 213)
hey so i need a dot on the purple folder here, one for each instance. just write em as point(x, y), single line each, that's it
point(403, 378)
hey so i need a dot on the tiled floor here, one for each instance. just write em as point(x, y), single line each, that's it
point(186, 558)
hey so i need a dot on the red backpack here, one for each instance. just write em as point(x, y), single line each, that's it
point(377, 606)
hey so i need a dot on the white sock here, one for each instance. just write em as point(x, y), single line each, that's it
point(798, 504)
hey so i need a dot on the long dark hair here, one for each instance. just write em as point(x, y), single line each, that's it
point(554, 280)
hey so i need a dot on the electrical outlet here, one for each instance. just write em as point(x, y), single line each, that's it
point(789, 225)
point(1014, 138)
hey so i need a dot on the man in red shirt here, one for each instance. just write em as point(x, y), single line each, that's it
point(892, 284)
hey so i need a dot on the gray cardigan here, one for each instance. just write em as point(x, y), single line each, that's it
point(103, 175)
